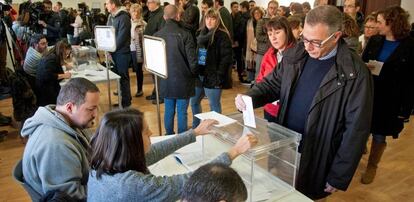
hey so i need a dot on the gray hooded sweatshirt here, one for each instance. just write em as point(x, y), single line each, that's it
point(55, 157)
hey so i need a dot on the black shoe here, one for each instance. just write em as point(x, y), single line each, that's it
point(139, 94)
point(246, 82)
point(150, 97)
point(155, 101)
point(5, 120)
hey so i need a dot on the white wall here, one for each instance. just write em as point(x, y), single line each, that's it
point(408, 5)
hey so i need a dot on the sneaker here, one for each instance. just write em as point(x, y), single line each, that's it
point(139, 94)
point(150, 97)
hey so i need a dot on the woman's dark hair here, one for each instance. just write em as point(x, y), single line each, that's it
point(59, 50)
point(286, 10)
point(35, 39)
point(117, 145)
point(214, 182)
point(397, 19)
point(281, 23)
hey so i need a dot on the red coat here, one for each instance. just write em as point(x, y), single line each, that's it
point(269, 63)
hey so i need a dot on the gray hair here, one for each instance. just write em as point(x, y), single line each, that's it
point(327, 15)
point(75, 91)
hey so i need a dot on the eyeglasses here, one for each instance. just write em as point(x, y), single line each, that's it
point(368, 27)
point(316, 43)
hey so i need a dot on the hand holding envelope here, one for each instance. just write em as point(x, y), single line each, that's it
point(375, 67)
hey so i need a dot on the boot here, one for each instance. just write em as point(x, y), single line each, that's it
point(377, 149)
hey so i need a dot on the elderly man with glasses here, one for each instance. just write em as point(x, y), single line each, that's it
point(326, 94)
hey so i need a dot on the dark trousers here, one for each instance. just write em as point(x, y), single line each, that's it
point(238, 56)
point(269, 117)
point(3, 60)
point(122, 61)
point(138, 70)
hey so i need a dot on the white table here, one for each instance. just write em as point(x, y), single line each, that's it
point(169, 166)
point(96, 74)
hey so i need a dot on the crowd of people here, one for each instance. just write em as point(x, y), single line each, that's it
point(335, 77)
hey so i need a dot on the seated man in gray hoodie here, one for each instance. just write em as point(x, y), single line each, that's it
point(55, 157)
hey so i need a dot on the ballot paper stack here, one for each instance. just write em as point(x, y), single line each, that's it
point(268, 169)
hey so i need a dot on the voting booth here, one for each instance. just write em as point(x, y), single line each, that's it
point(268, 169)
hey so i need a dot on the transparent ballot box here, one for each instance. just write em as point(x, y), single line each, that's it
point(269, 169)
point(83, 57)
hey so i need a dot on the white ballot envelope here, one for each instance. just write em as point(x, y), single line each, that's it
point(377, 67)
point(248, 114)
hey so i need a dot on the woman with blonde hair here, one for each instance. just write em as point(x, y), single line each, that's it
point(215, 60)
point(137, 33)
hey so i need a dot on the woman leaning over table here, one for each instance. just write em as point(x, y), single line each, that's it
point(122, 150)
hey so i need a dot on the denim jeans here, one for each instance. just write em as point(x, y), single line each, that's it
point(138, 70)
point(195, 103)
point(122, 61)
point(214, 98)
point(182, 106)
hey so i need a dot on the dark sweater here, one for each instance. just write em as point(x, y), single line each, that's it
point(313, 72)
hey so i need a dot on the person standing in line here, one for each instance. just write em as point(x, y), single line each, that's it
point(182, 69)
point(119, 18)
point(281, 38)
point(394, 86)
point(215, 70)
point(261, 35)
point(136, 47)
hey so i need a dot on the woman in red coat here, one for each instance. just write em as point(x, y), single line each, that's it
point(281, 37)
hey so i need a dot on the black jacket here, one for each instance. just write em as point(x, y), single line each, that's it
point(239, 28)
point(47, 83)
point(191, 18)
point(181, 61)
point(394, 87)
point(155, 21)
point(121, 21)
point(53, 28)
point(338, 122)
point(227, 20)
point(217, 71)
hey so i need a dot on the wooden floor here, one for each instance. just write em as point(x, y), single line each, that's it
point(394, 182)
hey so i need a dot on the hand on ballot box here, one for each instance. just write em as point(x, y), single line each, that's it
point(242, 145)
point(205, 127)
